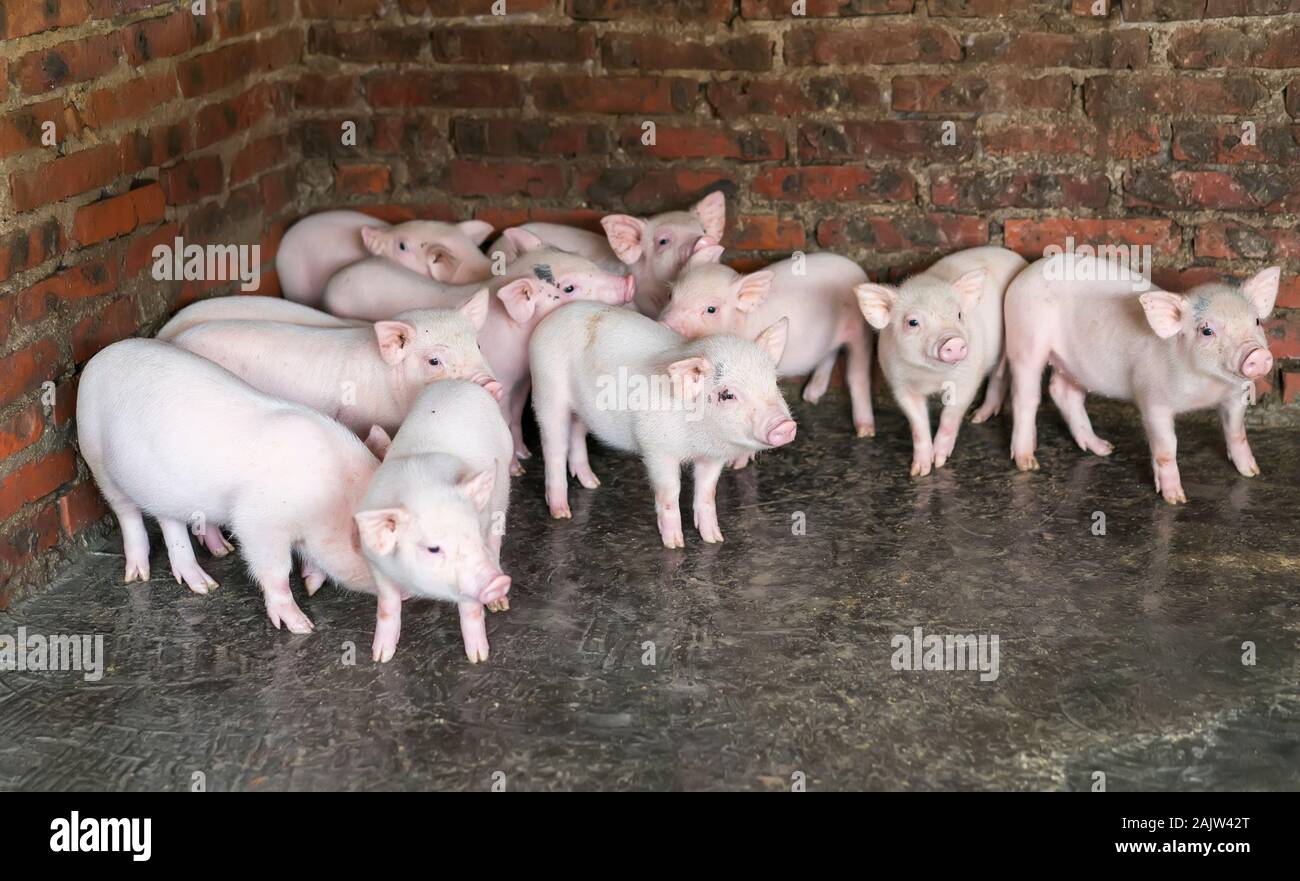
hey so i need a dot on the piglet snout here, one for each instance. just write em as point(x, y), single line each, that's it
point(701, 243)
point(490, 385)
point(952, 350)
point(495, 588)
point(1258, 361)
point(781, 432)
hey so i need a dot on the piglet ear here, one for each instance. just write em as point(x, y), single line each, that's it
point(773, 339)
point(381, 528)
point(522, 239)
point(711, 211)
point(440, 258)
point(690, 375)
point(876, 302)
point(476, 231)
point(626, 236)
point(478, 487)
point(752, 289)
point(969, 287)
point(373, 240)
point(520, 299)
point(394, 339)
point(1164, 312)
point(378, 442)
point(705, 254)
point(1261, 290)
point(476, 308)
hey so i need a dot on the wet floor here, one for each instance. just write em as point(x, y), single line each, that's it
point(755, 664)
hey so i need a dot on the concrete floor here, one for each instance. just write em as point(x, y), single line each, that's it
point(1119, 653)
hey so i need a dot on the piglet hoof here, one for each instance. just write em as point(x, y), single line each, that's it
point(1027, 462)
point(501, 605)
point(385, 644)
point(522, 452)
point(136, 571)
point(921, 466)
point(194, 578)
point(984, 414)
point(586, 477)
point(739, 464)
point(710, 532)
point(313, 582)
point(216, 543)
point(1098, 447)
point(673, 540)
point(1175, 496)
point(516, 470)
point(865, 429)
point(559, 505)
point(290, 615)
point(812, 396)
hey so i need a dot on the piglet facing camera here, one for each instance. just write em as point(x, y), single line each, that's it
point(641, 388)
point(941, 333)
point(1106, 330)
point(433, 519)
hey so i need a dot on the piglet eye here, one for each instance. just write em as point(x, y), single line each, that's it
point(711, 310)
point(1207, 331)
point(568, 289)
point(435, 362)
point(434, 550)
point(663, 241)
point(725, 395)
point(401, 246)
point(912, 322)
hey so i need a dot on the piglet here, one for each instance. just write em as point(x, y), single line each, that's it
point(641, 388)
point(435, 513)
point(175, 436)
point(1106, 330)
point(536, 281)
point(246, 308)
point(316, 247)
point(362, 376)
point(655, 248)
point(941, 333)
point(814, 292)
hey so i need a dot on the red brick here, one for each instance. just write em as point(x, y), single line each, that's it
point(1283, 337)
point(1110, 96)
point(139, 254)
point(908, 232)
point(752, 52)
point(1113, 49)
point(165, 36)
point(1031, 237)
point(221, 120)
point(22, 128)
point(509, 137)
point(27, 368)
point(672, 10)
point(348, 8)
point(980, 93)
point(130, 100)
point(80, 507)
point(671, 142)
point(232, 62)
point(24, 17)
point(26, 537)
point(22, 249)
point(80, 282)
point(736, 99)
point(422, 88)
point(118, 215)
point(986, 191)
point(1290, 386)
point(66, 63)
point(65, 401)
point(257, 156)
point(510, 44)
point(193, 179)
point(357, 179)
point(974, 8)
point(779, 10)
point(614, 94)
point(65, 176)
point(643, 191)
point(21, 430)
point(1222, 144)
point(112, 322)
point(1246, 190)
point(368, 45)
point(835, 183)
point(881, 44)
point(886, 139)
point(238, 19)
point(320, 91)
point(1225, 240)
point(35, 480)
point(469, 178)
point(1230, 47)
point(764, 232)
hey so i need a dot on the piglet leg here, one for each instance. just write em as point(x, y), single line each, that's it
point(666, 478)
point(707, 473)
point(918, 416)
point(1159, 422)
point(1233, 416)
point(388, 621)
point(473, 630)
point(271, 561)
point(181, 555)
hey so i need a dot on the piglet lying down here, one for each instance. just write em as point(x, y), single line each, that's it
point(284, 479)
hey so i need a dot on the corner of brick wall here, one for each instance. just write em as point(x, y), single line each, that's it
point(824, 131)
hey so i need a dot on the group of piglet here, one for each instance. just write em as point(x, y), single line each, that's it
point(376, 439)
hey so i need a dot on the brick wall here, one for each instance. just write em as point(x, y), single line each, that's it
point(890, 130)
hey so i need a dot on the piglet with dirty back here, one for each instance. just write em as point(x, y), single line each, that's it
point(642, 388)
point(655, 249)
point(316, 247)
point(435, 513)
point(814, 292)
point(941, 333)
point(1106, 330)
